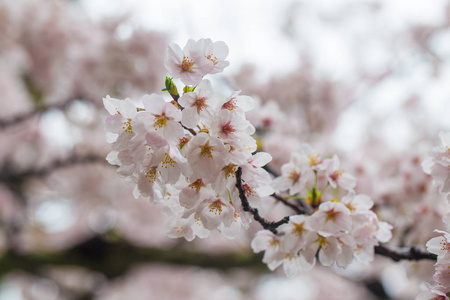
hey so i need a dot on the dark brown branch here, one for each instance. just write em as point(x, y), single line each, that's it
point(412, 253)
point(297, 209)
point(192, 131)
point(269, 225)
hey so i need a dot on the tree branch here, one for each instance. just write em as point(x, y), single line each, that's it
point(412, 253)
point(297, 209)
point(7, 175)
point(269, 225)
point(114, 259)
point(5, 123)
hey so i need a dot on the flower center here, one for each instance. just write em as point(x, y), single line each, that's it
point(229, 170)
point(331, 215)
point(168, 161)
point(298, 229)
point(161, 121)
point(200, 103)
point(127, 126)
point(248, 190)
point(212, 58)
point(230, 104)
point(216, 207)
point(197, 185)
point(335, 175)
point(228, 128)
point(314, 159)
point(186, 65)
point(206, 150)
point(294, 176)
point(151, 174)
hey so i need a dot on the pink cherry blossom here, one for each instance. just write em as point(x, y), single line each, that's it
point(189, 64)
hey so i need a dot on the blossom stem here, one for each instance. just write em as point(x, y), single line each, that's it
point(299, 209)
point(269, 225)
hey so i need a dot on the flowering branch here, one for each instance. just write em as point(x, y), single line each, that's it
point(412, 253)
point(272, 226)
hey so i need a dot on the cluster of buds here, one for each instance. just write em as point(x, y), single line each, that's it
point(195, 155)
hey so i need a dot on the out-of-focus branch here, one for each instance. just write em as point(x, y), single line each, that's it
point(114, 259)
point(301, 209)
point(272, 226)
point(5, 123)
point(412, 253)
point(9, 176)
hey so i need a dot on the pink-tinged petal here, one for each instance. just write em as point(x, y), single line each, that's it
point(264, 190)
point(187, 99)
point(347, 181)
point(122, 141)
point(260, 159)
point(328, 252)
point(173, 132)
point(438, 245)
point(173, 60)
point(291, 266)
point(112, 158)
point(172, 112)
point(154, 103)
point(111, 105)
point(154, 140)
point(190, 118)
point(191, 78)
point(384, 232)
point(220, 50)
point(445, 138)
point(114, 123)
point(262, 240)
point(363, 202)
point(246, 103)
point(111, 137)
point(176, 228)
point(189, 198)
point(127, 109)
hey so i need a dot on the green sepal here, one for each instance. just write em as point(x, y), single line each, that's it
point(188, 89)
point(170, 87)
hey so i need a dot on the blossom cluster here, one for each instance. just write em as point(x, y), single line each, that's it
point(185, 154)
point(441, 247)
point(338, 229)
point(438, 166)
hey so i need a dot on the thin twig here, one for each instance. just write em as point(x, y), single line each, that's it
point(299, 210)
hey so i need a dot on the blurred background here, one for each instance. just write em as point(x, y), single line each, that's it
point(365, 79)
